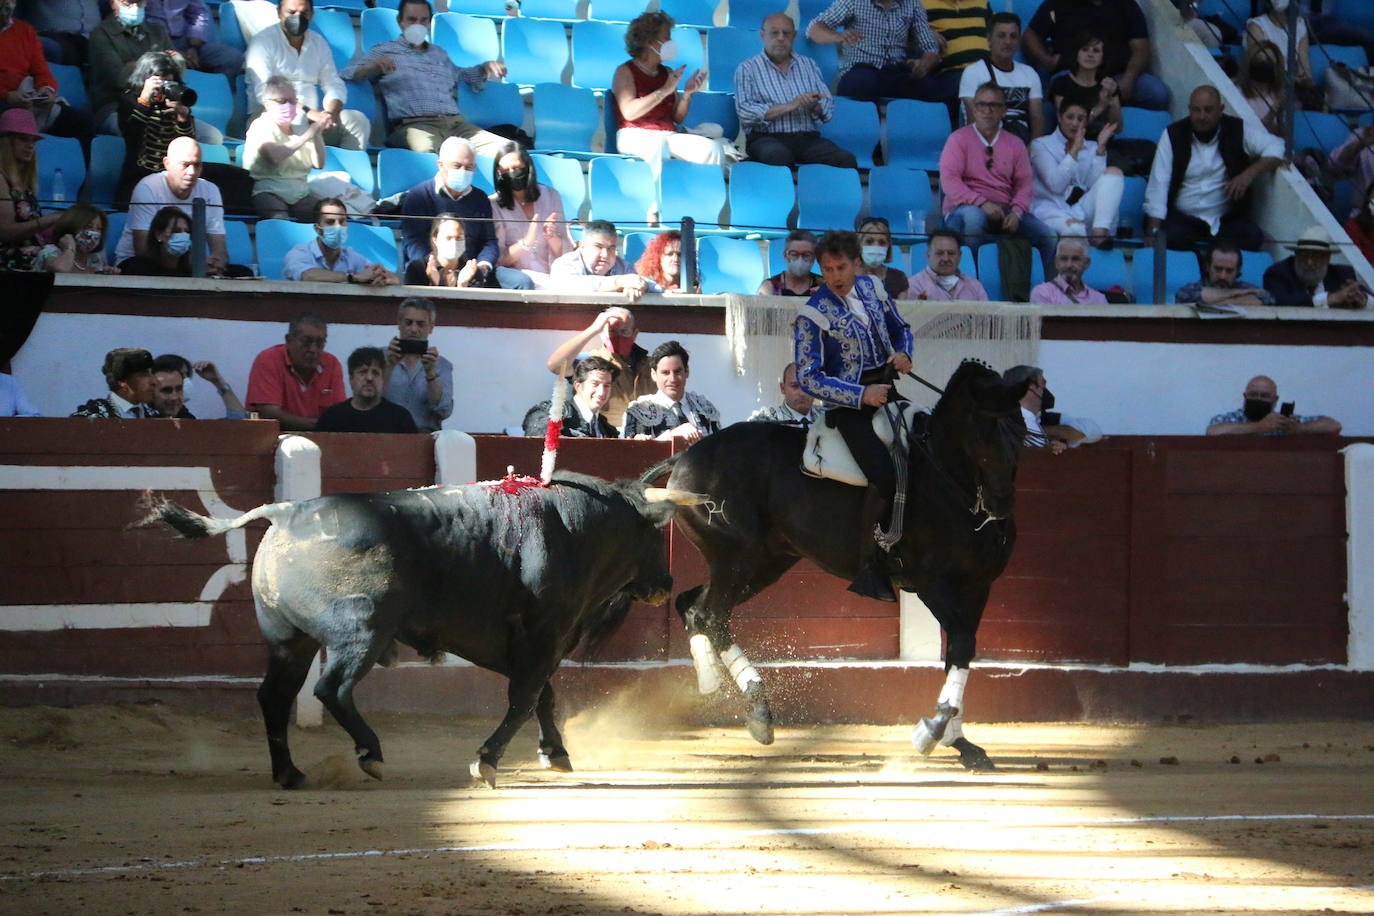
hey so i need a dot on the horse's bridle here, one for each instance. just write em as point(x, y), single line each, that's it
point(974, 501)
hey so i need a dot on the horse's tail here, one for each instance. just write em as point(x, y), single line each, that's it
point(663, 467)
point(160, 509)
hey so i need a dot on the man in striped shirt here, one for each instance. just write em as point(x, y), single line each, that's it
point(876, 38)
point(962, 27)
point(782, 102)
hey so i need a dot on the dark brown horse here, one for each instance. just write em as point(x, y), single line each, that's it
point(765, 514)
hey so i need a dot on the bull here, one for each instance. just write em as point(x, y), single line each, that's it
point(511, 578)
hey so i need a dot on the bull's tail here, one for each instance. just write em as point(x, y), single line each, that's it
point(601, 627)
point(160, 509)
point(663, 467)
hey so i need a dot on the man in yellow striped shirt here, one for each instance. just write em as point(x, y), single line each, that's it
point(962, 30)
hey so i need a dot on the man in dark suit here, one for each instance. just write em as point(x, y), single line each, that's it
point(584, 415)
point(1308, 278)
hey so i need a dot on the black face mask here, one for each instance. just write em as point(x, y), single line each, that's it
point(296, 24)
point(517, 180)
point(1047, 400)
point(1262, 72)
point(1257, 409)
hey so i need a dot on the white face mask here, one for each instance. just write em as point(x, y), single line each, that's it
point(1278, 6)
point(446, 250)
point(415, 34)
point(874, 255)
point(667, 51)
point(947, 283)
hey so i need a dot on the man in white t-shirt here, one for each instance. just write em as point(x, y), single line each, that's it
point(177, 187)
point(1024, 116)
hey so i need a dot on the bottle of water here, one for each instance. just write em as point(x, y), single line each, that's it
point(59, 186)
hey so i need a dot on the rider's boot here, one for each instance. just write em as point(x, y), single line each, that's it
point(873, 580)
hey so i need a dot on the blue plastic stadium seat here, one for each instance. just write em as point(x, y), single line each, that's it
point(567, 178)
point(482, 178)
point(690, 189)
point(597, 49)
point(469, 40)
point(727, 265)
point(1319, 130)
point(355, 162)
point(726, 49)
point(63, 153)
point(691, 54)
point(107, 161)
point(497, 103)
point(854, 127)
point(379, 25)
point(700, 13)
point(1323, 56)
point(116, 228)
point(1108, 269)
point(492, 8)
point(362, 97)
point(338, 5)
point(827, 197)
point(337, 28)
point(809, 9)
point(916, 133)
point(827, 58)
point(240, 244)
point(239, 20)
point(557, 10)
point(1180, 269)
point(616, 10)
point(748, 15)
point(715, 108)
point(1142, 123)
point(902, 197)
point(229, 31)
point(535, 51)
point(1353, 12)
point(376, 243)
point(215, 98)
point(215, 152)
point(635, 243)
point(1233, 12)
point(401, 169)
point(1253, 264)
point(989, 274)
point(1132, 211)
point(70, 85)
point(275, 238)
point(761, 198)
point(565, 118)
point(622, 190)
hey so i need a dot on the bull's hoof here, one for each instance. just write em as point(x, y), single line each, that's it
point(290, 778)
point(483, 772)
point(559, 763)
point(371, 767)
point(760, 728)
point(972, 756)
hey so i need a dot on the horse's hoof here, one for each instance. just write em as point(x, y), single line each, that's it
point(973, 757)
point(559, 763)
point(760, 729)
point(291, 778)
point(371, 767)
point(927, 734)
point(483, 772)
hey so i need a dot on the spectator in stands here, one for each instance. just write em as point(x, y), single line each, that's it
point(167, 247)
point(672, 412)
point(941, 280)
point(129, 377)
point(366, 411)
point(1070, 261)
point(1075, 191)
point(64, 27)
point(875, 244)
point(584, 414)
point(797, 406)
point(1257, 416)
point(648, 107)
point(961, 28)
point(1086, 83)
point(1125, 40)
point(191, 27)
point(21, 217)
point(615, 329)
point(294, 382)
point(1198, 201)
point(594, 265)
point(78, 245)
point(327, 259)
point(661, 261)
point(1308, 278)
point(418, 82)
point(27, 83)
point(304, 57)
point(173, 377)
point(1355, 158)
point(985, 174)
point(178, 186)
point(116, 45)
point(14, 400)
point(1261, 81)
point(1222, 284)
point(1043, 428)
point(531, 227)
point(1024, 115)
point(279, 152)
point(417, 377)
point(1360, 227)
point(797, 278)
point(877, 42)
point(1273, 28)
point(451, 192)
point(447, 263)
point(782, 101)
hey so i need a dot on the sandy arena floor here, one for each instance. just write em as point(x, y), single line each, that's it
point(145, 809)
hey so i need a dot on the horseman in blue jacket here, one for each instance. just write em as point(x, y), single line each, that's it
point(850, 344)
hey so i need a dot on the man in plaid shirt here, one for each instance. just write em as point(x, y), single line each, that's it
point(887, 49)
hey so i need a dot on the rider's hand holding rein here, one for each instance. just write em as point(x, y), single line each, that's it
point(877, 395)
point(900, 361)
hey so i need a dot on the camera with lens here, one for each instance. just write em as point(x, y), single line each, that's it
point(173, 90)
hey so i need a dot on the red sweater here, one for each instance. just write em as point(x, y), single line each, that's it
point(21, 55)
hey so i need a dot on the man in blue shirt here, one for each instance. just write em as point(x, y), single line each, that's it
point(327, 259)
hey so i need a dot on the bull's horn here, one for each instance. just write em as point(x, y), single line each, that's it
point(681, 497)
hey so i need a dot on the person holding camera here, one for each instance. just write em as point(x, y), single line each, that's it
point(417, 377)
point(448, 263)
point(1257, 416)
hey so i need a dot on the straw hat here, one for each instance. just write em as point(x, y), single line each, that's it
point(1314, 239)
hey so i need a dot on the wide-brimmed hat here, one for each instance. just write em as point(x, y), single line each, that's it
point(19, 121)
point(125, 363)
point(1315, 239)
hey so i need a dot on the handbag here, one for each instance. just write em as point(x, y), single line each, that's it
point(1349, 88)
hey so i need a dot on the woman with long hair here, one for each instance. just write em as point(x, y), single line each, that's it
point(447, 263)
point(21, 216)
point(1273, 28)
point(169, 244)
point(1261, 82)
point(662, 261)
point(78, 245)
point(531, 227)
point(1087, 84)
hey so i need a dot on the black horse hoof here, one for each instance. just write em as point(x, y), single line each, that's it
point(290, 778)
point(972, 756)
point(559, 763)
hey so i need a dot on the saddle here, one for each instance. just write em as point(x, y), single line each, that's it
point(826, 454)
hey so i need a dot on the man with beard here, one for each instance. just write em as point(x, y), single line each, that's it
point(584, 415)
point(1222, 285)
point(1204, 168)
point(1308, 278)
point(1257, 416)
point(366, 411)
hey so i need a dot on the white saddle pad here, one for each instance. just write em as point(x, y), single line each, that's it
point(827, 455)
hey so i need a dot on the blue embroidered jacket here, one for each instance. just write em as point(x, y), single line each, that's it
point(834, 347)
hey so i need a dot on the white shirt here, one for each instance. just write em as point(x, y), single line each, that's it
point(1035, 434)
point(1201, 193)
point(151, 194)
point(1056, 173)
point(126, 409)
point(270, 54)
point(856, 306)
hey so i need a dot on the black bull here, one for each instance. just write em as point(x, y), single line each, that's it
point(511, 581)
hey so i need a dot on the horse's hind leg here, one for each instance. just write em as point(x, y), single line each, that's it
point(353, 648)
point(287, 666)
point(552, 754)
point(959, 612)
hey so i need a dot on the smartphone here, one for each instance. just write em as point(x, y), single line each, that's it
point(410, 345)
point(1287, 409)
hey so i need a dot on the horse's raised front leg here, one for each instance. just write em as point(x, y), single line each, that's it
point(959, 611)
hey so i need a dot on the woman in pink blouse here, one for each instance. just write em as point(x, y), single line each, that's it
point(531, 226)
